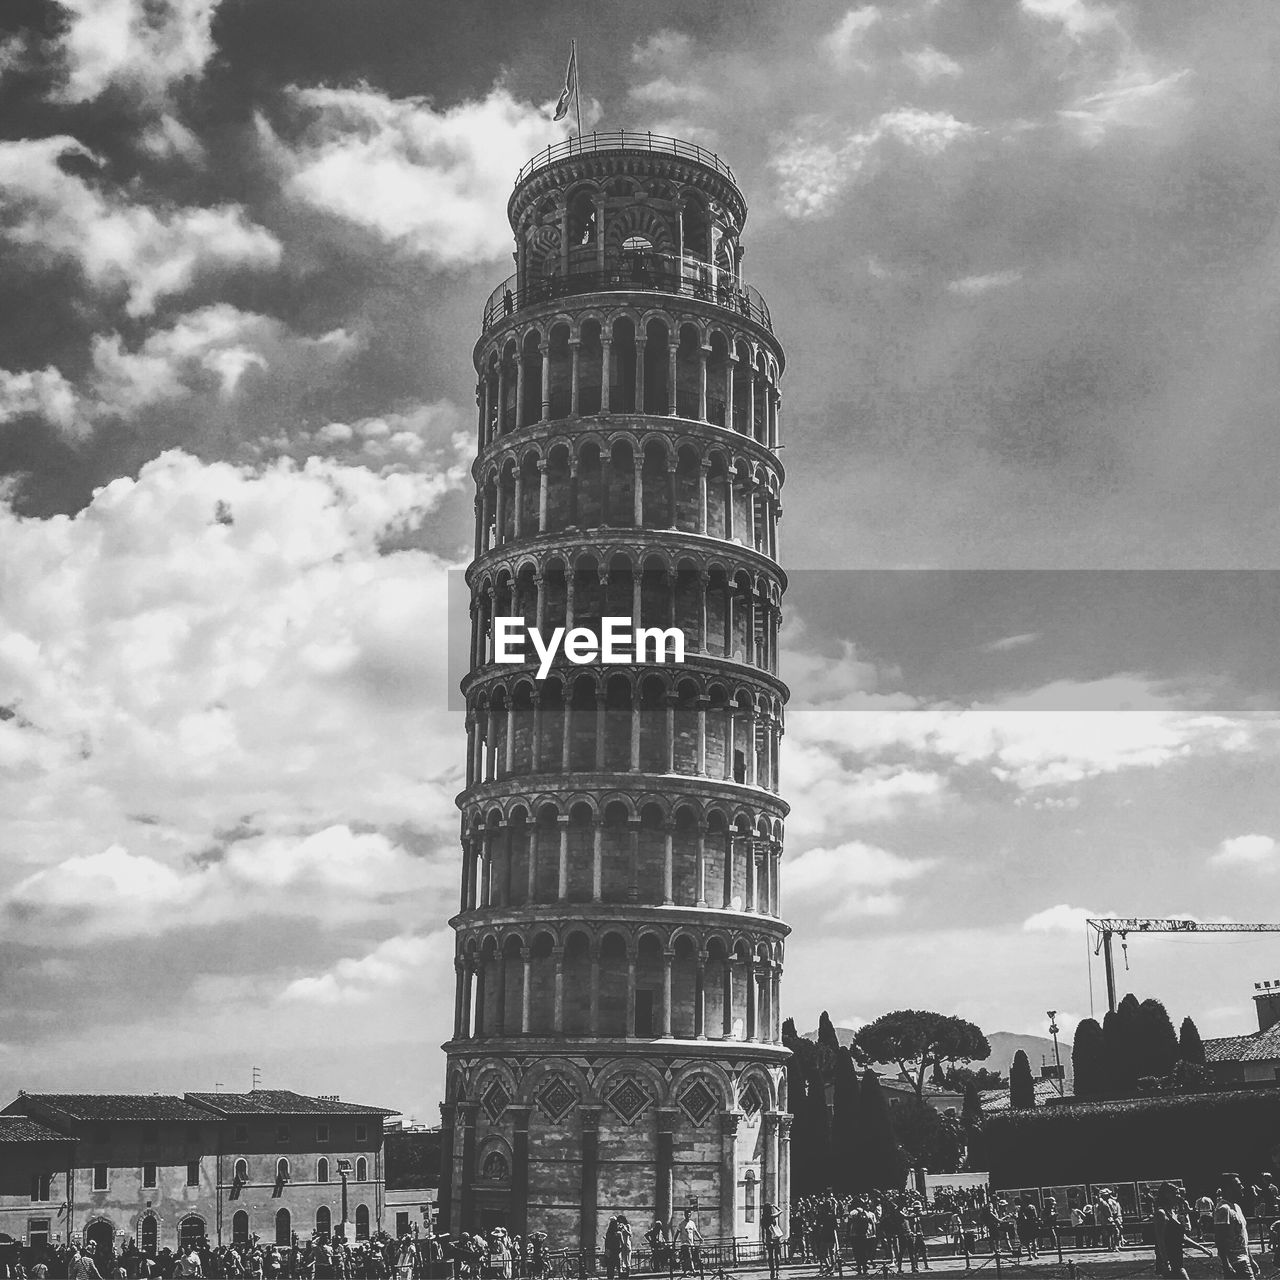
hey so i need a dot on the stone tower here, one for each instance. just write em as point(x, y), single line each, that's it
point(616, 1043)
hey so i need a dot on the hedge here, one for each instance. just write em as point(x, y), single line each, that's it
point(1193, 1136)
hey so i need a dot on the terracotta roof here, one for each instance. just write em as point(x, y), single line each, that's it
point(24, 1129)
point(108, 1106)
point(281, 1102)
point(998, 1099)
point(1261, 1046)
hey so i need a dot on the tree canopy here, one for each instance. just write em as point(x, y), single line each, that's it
point(917, 1038)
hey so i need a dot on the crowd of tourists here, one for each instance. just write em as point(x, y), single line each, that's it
point(320, 1258)
point(892, 1229)
point(878, 1230)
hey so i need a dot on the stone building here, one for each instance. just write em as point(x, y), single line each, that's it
point(619, 949)
point(36, 1164)
point(162, 1170)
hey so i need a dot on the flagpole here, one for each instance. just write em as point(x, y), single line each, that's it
point(577, 90)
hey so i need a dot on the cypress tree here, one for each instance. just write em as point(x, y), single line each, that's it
point(884, 1166)
point(827, 1033)
point(1089, 1060)
point(1122, 1034)
point(845, 1148)
point(1190, 1046)
point(1022, 1088)
point(1157, 1046)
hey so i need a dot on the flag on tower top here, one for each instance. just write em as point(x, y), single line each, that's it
point(570, 90)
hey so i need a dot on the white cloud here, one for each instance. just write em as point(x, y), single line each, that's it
point(333, 875)
point(1255, 852)
point(662, 91)
point(1135, 98)
point(434, 183)
point(1060, 919)
point(148, 253)
point(852, 879)
point(44, 392)
point(819, 161)
point(971, 286)
point(929, 64)
point(211, 646)
point(404, 963)
point(1008, 643)
point(214, 347)
point(1079, 19)
point(843, 41)
point(664, 49)
point(145, 46)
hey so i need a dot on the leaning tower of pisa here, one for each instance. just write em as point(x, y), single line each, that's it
point(619, 939)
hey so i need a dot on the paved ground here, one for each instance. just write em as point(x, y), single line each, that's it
point(1087, 1264)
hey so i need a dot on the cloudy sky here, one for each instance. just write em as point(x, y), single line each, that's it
point(1024, 258)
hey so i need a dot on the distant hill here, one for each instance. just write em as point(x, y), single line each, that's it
point(1004, 1044)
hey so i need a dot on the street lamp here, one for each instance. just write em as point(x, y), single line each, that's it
point(344, 1171)
point(1057, 1060)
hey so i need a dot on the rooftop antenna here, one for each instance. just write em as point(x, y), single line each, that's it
point(257, 1077)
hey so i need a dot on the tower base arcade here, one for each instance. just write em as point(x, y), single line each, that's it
point(643, 1133)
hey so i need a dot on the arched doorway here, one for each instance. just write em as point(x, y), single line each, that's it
point(240, 1227)
point(147, 1233)
point(362, 1222)
point(284, 1228)
point(324, 1222)
point(98, 1235)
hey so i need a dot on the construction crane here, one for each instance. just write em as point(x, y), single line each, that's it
point(1107, 929)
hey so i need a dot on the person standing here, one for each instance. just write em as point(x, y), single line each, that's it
point(771, 1236)
point(1231, 1231)
point(689, 1241)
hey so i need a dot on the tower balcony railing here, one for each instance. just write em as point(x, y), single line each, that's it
point(621, 140)
point(635, 272)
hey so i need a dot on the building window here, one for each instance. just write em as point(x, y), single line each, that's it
point(193, 1173)
point(191, 1232)
point(751, 1196)
point(362, 1170)
point(38, 1232)
point(282, 1133)
point(402, 1225)
point(362, 1222)
point(240, 1227)
point(282, 1170)
point(148, 1175)
point(241, 1133)
point(284, 1227)
point(240, 1173)
point(40, 1184)
point(322, 1170)
point(362, 1133)
point(99, 1177)
point(324, 1221)
point(322, 1133)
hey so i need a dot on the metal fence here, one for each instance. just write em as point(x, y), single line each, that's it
point(638, 272)
point(621, 140)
